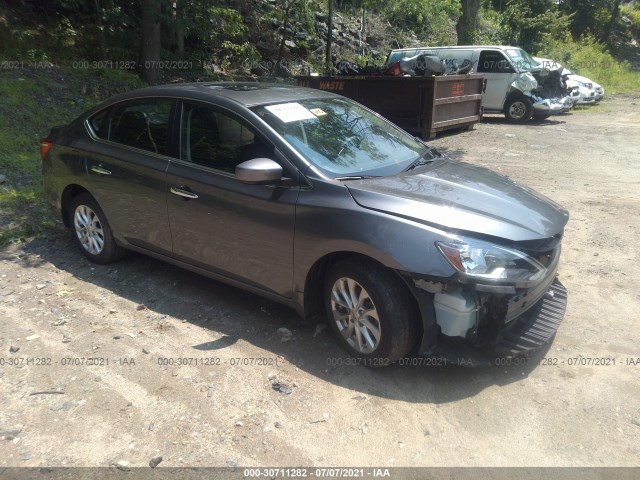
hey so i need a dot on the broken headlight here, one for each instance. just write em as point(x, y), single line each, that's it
point(486, 262)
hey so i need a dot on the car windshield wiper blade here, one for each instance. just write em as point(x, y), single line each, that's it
point(357, 177)
point(419, 163)
point(429, 156)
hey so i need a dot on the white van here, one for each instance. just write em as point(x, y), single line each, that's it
point(511, 74)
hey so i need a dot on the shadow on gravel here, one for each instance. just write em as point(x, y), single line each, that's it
point(547, 122)
point(237, 315)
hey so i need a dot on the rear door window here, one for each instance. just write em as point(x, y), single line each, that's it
point(142, 124)
point(99, 123)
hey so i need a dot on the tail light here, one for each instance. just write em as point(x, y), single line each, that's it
point(45, 146)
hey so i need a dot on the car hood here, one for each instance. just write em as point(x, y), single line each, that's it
point(463, 197)
point(580, 78)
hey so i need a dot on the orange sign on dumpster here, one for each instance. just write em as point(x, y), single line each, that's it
point(457, 88)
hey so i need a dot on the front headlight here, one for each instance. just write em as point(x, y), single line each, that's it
point(489, 263)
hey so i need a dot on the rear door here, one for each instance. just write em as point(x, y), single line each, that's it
point(499, 73)
point(244, 232)
point(127, 167)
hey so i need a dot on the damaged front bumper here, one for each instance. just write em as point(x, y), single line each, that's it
point(552, 106)
point(529, 332)
point(481, 325)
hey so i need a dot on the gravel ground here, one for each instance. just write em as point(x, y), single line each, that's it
point(243, 396)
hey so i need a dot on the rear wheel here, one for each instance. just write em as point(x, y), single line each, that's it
point(371, 312)
point(518, 109)
point(91, 231)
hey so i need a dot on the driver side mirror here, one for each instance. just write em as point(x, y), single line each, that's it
point(259, 171)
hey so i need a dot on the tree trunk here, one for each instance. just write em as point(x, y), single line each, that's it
point(150, 41)
point(361, 32)
point(285, 36)
point(101, 37)
point(180, 27)
point(168, 28)
point(467, 25)
point(328, 61)
point(615, 13)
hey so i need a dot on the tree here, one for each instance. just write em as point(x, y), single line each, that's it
point(328, 61)
point(615, 15)
point(426, 18)
point(180, 27)
point(599, 18)
point(150, 43)
point(284, 16)
point(220, 34)
point(530, 23)
point(467, 25)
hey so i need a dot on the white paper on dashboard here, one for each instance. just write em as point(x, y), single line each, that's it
point(290, 112)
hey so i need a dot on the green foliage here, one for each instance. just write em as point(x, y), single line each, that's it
point(632, 13)
point(589, 17)
point(490, 29)
point(591, 59)
point(531, 23)
point(426, 18)
point(31, 102)
point(221, 32)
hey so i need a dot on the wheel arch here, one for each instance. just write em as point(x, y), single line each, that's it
point(515, 95)
point(69, 193)
point(314, 288)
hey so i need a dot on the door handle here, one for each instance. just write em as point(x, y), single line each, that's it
point(99, 170)
point(183, 193)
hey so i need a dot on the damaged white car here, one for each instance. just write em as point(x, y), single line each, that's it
point(586, 90)
point(516, 84)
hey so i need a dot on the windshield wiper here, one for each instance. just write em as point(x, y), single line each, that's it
point(357, 177)
point(429, 156)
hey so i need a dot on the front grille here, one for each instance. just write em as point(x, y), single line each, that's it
point(538, 326)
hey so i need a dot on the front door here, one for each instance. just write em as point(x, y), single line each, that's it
point(244, 232)
point(499, 74)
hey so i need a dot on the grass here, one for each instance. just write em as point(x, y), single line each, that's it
point(591, 59)
point(31, 102)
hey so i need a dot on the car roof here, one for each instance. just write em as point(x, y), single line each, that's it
point(249, 94)
point(500, 47)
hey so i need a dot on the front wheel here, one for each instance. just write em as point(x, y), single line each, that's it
point(92, 232)
point(371, 312)
point(518, 109)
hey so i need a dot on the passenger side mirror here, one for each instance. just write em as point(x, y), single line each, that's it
point(259, 171)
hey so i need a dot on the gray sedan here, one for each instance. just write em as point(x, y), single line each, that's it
point(312, 200)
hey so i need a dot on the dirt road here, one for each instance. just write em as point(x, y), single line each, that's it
point(184, 366)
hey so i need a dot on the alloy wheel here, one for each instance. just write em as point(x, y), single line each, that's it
point(89, 229)
point(355, 315)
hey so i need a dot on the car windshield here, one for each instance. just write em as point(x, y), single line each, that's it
point(342, 138)
point(521, 59)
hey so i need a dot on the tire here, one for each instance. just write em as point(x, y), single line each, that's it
point(383, 304)
point(518, 109)
point(91, 230)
